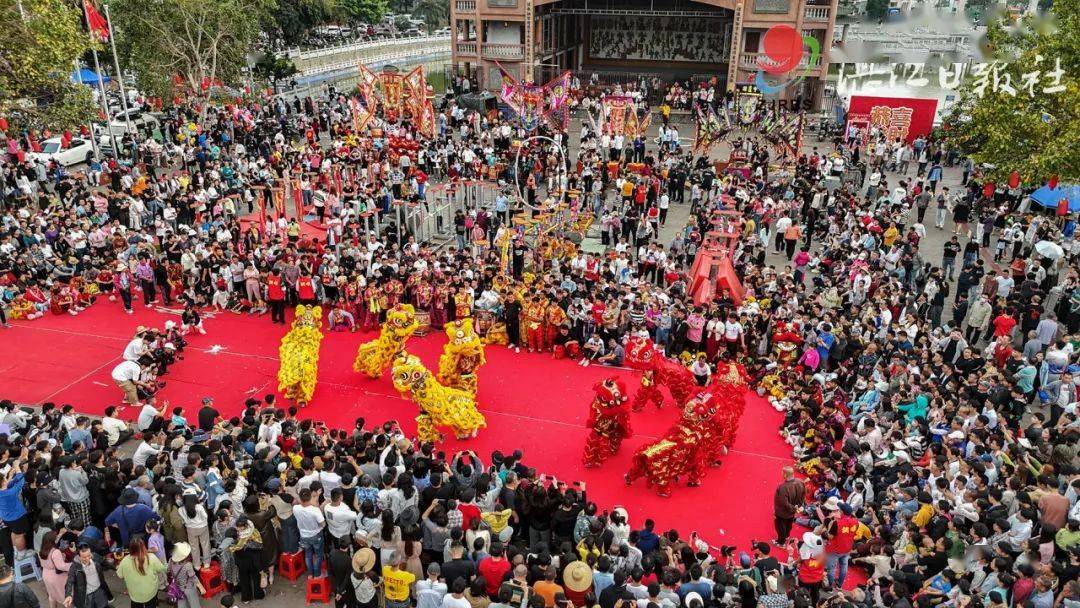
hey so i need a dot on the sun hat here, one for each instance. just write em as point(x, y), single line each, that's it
point(691, 597)
point(831, 504)
point(181, 551)
point(577, 576)
point(812, 546)
point(363, 560)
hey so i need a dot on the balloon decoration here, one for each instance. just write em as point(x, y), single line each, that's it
point(1014, 179)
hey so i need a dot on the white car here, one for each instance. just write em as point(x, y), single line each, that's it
point(78, 150)
point(141, 120)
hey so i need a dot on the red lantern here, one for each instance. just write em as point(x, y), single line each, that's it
point(988, 190)
point(3, 124)
point(1014, 179)
point(1053, 182)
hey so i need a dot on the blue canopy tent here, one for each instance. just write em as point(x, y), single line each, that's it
point(1049, 197)
point(88, 77)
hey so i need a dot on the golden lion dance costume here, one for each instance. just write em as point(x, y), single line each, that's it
point(299, 355)
point(696, 442)
point(440, 406)
point(462, 356)
point(375, 356)
point(609, 422)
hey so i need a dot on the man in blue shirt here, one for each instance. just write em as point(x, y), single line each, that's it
point(130, 517)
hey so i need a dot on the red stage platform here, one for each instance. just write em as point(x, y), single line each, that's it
point(531, 402)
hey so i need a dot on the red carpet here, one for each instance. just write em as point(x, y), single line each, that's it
point(531, 402)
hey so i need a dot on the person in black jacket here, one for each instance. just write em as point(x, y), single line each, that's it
point(86, 586)
point(12, 594)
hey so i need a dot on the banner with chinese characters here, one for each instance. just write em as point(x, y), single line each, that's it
point(905, 118)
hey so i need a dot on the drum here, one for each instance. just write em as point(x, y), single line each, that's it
point(423, 322)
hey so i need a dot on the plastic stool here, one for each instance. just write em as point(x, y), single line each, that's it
point(20, 568)
point(291, 565)
point(318, 590)
point(211, 580)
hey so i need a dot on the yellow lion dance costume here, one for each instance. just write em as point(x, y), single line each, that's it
point(299, 355)
point(439, 405)
point(375, 356)
point(462, 356)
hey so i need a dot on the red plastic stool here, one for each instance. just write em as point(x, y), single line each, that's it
point(291, 565)
point(211, 580)
point(318, 590)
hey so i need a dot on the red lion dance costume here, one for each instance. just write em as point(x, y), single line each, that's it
point(658, 370)
point(696, 442)
point(609, 422)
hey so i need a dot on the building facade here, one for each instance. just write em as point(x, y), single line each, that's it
point(623, 40)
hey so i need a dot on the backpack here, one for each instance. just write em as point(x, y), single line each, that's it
point(174, 592)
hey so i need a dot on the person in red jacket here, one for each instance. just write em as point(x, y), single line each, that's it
point(275, 295)
point(840, 531)
point(493, 568)
point(305, 289)
point(811, 565)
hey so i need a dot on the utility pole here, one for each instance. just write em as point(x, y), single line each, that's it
point(119, 74)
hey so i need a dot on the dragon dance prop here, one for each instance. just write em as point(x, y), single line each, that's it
point(704, 432)
point(374, 357)
point(397, 94)
point(462, 356)
point(298, 355)
point(712, 128)
point(440, 406)
point(783, 130)
point(609, 422)
point(533, 103)
point(658, 370)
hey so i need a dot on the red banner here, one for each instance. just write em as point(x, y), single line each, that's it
point(903, 117)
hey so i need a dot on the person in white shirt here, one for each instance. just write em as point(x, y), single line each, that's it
point(136, 348)
point(115, 429)
point(126, 375)
point(431, 591)
point(310, 521)
point(340, 519)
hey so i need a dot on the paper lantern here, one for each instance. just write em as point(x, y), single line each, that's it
point(3, 124)
point(988, 190)
point(1053, 182)
point(1014, 179)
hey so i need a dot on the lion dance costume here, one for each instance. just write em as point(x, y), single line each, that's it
point(703, 434)
point(439, 405)
point(462, 356)
point(609, 422)
point(641, 353)
point(374, 357)
point(299, 355)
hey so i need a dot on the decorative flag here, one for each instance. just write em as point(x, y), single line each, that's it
point(96, 23)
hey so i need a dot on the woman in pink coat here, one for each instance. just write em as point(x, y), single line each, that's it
point(54, 570)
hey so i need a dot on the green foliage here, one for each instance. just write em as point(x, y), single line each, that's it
point(272, 68)
point(1034, 135)
point(196, 40)
point(876, 9)
point(365, 11)
point(292, 20)
point(42, 39)
point(435, 13)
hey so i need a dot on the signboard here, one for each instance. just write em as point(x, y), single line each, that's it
point(772, 6)
point(899, 117)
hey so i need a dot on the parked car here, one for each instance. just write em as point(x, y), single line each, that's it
point(77, 151)
point(442, 31)
point(141, 120)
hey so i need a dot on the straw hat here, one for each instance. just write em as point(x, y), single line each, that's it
point(180, 552)
point(363, 560)
point(577, 577)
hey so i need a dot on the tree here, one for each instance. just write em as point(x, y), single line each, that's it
point(291, 21)
point(364, 11)
point(435, 13)
point(188, 45)
point(1034, 134)
point(272, 68)
point(877, 9)
point(42, 40)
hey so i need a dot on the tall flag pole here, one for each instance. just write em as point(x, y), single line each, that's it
point(99, 31)
point(119, 74)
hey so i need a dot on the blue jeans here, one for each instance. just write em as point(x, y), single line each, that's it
point(313, 554)
point(832, 560)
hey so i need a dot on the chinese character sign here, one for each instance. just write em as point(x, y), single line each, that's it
point(1041, 76)
point(898, 117)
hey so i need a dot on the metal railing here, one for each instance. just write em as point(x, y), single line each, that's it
point(503, 51)
point(338, 66)
point(750, 61)
point(353, 47)
point(816, 13)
